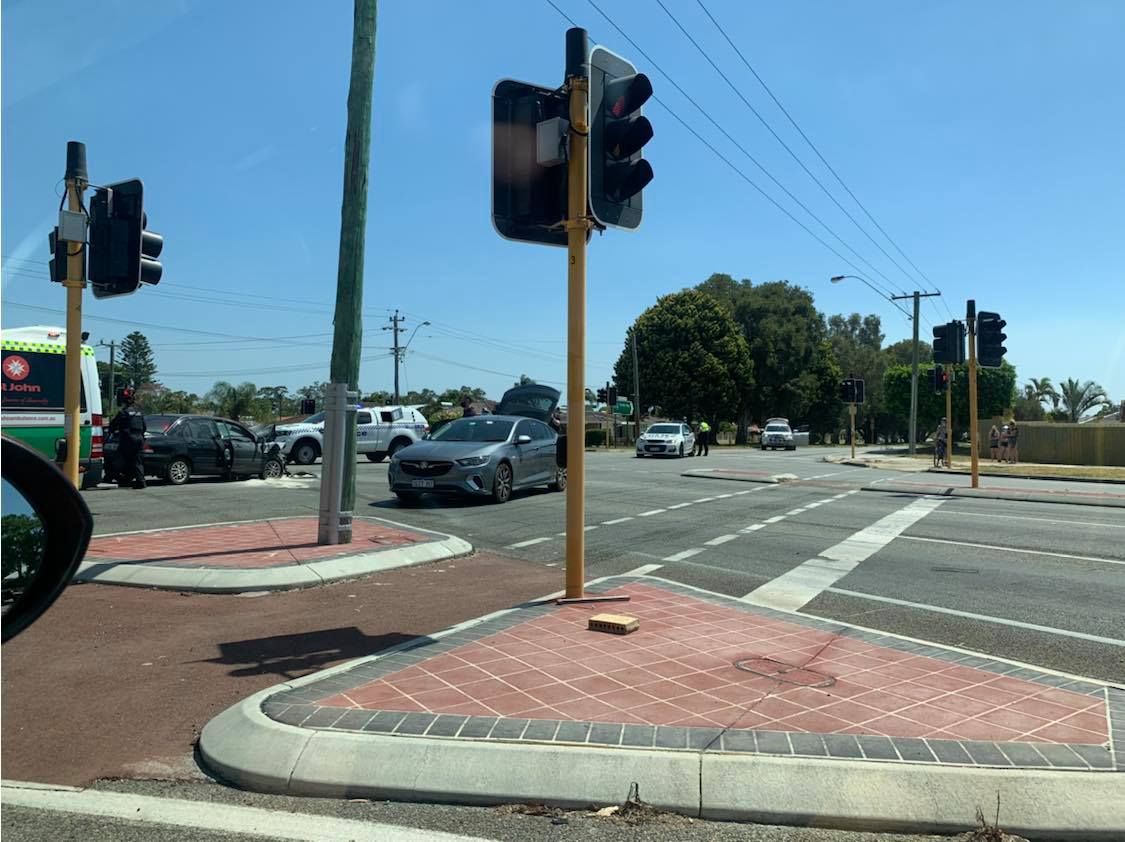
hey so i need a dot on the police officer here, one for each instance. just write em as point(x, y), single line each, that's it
point(467, 410)
point(129, 427)
point(704, 435)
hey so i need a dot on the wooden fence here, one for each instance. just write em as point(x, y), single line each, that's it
point(1063, 444)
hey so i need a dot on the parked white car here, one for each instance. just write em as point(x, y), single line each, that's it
point(667, 440)
point(381, 431)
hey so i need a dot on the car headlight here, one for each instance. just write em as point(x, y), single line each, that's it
point(473, 461)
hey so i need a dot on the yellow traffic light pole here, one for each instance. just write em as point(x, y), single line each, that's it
point(851, 414)
point(577, 225)
point(76, 179)
point(971, 320)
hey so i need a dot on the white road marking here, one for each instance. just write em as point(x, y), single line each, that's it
point(685, 554)
point(643, 570)
point(774, 519)
point(703, 500)
point(839, 496)
point(588, 528)
point(747, 491)
point(958, 513)
point(822, 476)
point(754, 527)
point(529, 543)
point(1013, 549)
point(794, 589)
point(141, 810)
point(616, 521)
point(1111, 641)
point(722, 539)
point(678, 506)
point(722, 496)
point(652, 512)
point(796, 511)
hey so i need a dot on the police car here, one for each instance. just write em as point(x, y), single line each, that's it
point(381, 431)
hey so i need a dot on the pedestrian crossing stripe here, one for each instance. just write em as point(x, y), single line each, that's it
point(42, 347)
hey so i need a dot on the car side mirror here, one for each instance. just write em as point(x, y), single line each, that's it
point(45, 530)
point(523, 439)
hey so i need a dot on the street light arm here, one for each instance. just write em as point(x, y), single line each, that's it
point(411, 339)
point(837, 278)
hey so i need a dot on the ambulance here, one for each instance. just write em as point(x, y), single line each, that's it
point(33, 364)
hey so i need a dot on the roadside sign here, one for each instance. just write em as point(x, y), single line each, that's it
point(623, 408)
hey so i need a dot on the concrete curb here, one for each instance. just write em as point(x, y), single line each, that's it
point(228, 580)
point(1001, 494)
point(1051, 477)
point(245, 747)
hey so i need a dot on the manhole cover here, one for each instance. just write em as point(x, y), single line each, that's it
point(788, 673)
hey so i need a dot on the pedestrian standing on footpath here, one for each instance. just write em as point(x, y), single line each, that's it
point(704, 435)
point(941, 438)
point(1013, 442)
point(1004, 443)
point(994, 443)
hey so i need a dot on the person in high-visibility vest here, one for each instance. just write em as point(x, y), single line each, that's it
point(704, 436)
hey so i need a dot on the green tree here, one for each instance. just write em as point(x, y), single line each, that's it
point(235, 402)
point(315, 390)
point(278, 399)
point(137, 366)
point(996, 392)
point(784, 333)
point(1079, 398)
point(819, 387)
point(857, 342)
point(902, 353)
point(22, 545)
point(694, 362)
point(1042, 389)
point(1028, 408)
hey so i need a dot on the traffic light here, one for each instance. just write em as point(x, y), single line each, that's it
point(990, 339)
point(611, 397)
point(122, 253)
point(949, 343)
point(618, 132)
point(308, 406)
point(56, 266)
point(858, 390)
point(528, 190)
point(939, 379)
point(602, 396)
point(847, 390)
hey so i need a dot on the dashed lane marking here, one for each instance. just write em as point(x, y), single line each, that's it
point(529, 543)
point(774, 519)
point(679, 506)
point(651, 512)
point(680, 556)
point(615, 521)
point(1013, 549)
point(643, 570)
point(722, 539)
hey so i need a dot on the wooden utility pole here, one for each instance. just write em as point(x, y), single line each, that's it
point(347, 338)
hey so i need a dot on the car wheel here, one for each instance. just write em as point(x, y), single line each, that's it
point(305, 452)
point(178, 472)
point(408, 498)
point(397, 445)
point(274, 468)
point(560, 480)
point(502, 483)
point(763, 447)
point(791, 447)
point(378, 456)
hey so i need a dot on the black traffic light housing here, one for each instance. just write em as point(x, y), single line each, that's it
point(611, 397)
point(528, 198)
point(122, 253)
point(308, 406)
point(858, 390)
point(949, 343)
point(990, 339)
point(618, 133)
point(939, 379)
point(603, 397)
point(56, 266)
point(847, 390)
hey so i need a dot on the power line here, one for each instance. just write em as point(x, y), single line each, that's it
point(784, 145)
point(738, 145)
point(813, 147)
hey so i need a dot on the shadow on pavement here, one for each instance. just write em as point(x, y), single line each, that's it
point(295, 655)
point(442, 501)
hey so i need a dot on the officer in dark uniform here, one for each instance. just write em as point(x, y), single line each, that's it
point(129, 428)
point(467, 410)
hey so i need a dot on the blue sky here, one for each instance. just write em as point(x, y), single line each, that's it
point(985, 138)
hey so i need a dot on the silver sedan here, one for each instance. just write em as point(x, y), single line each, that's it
point(667, 440)
point(483, 456)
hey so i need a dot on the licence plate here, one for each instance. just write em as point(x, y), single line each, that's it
point(422, 483)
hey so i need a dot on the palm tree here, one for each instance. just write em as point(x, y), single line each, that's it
point(1079, 398)
point(1043, 389)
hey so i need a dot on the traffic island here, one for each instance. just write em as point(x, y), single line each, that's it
point(713, 707)
point(275, 554)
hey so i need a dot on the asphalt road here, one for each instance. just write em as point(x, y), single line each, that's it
point(1035, 582)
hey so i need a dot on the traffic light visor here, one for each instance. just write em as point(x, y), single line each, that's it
point(626, 94)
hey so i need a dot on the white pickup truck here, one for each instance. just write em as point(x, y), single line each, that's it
point(380, 432)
